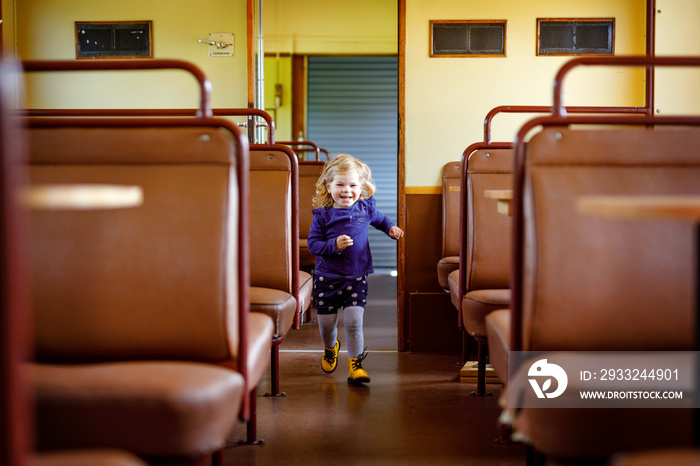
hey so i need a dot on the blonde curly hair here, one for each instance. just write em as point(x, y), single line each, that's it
point(342, 164)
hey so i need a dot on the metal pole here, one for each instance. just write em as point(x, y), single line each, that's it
point(260, 72)
point(650, 52)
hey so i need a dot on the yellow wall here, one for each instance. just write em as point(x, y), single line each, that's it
point(445, 98)
point(330, 27)
point(677, 33)
point(448, 98)
point(46, 30)
point(8, 27)
point(320, 27)
point(278, 70)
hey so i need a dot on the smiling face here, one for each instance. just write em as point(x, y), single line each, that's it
point(345, 189)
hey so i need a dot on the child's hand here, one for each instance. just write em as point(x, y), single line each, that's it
point(342, 242)
point(395, 232)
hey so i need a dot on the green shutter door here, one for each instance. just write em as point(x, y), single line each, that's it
point(352, 109)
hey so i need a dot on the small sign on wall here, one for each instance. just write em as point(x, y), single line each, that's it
point(220, 44)
point(114, 39)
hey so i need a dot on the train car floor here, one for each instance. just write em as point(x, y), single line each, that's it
point(415, 411)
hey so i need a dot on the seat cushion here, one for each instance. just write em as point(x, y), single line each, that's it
point(453, 287)
point(279, 305)
point(445, 267)
point(148, 408)
point(477, 304)
point(260, 331)
point(86, 458)
point(306, 287)
point(498, 334)
point(597, 433)
point(676, 457)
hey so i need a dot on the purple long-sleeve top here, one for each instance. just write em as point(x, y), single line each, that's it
point(329, 223)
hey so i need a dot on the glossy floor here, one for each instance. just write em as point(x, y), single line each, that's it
point(414, 412)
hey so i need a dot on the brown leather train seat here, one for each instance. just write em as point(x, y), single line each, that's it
point(143, 340)
point(309, 171)
point(591, 283)
point(674, 456)
point(451, 185)
point(278, 288)
point(101, 457)
point(482, 283)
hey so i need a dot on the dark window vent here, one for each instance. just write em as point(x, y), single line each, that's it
point(119, 39)
point(468, 38)
point(575, 36)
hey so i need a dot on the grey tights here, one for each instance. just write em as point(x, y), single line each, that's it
point(352, 318)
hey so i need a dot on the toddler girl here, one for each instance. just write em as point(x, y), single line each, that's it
point(338, 238)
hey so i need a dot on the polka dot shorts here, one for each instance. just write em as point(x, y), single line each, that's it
point(331, 294)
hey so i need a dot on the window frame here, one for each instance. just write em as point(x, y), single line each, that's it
point(468, 23)
point(112, 26)
point(575, 22)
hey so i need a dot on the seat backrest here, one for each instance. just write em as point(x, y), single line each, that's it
point(488, 235)
point(451, 181)
point(16, 423)
point(600, 283)
point(157, 281)
point(308, 175)
point(271, 219)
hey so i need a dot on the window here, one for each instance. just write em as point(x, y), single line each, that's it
point(119, 39)
point(468, 38)
point(575, 36)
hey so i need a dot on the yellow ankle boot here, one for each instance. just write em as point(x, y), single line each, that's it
point(356, 373)
point(330, 358)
